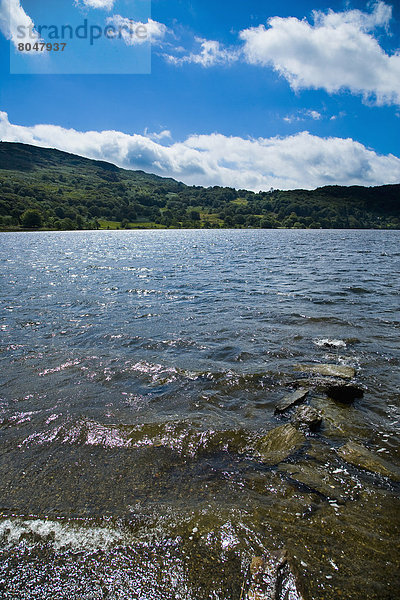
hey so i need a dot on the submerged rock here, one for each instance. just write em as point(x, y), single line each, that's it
point(291, 400)
point(361, 457)
point(272, 578)
point(341, 421)
point(318, 479)
point(306, 417)
point(328, 370)
point(344, 392)
point(280, 443)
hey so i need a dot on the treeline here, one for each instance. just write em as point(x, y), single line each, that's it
point(43, 188)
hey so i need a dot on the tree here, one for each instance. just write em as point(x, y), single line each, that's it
point(268, 222)
point(194, 215)
point(67, 224)
point(59, 212)
point(31, 218)
point(238, 220)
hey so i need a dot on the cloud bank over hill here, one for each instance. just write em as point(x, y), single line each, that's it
point(297, 161)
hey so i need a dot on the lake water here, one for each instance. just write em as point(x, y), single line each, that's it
point(139, 372)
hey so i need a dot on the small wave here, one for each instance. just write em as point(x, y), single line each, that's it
point(153, 372)
point(172, 343)
point(83, 432)
point(358, 290)
point(158, 374)
point(330, 320)
point(19, 418)
point(66, 365)
point(183, 437)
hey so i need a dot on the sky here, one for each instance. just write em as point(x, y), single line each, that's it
point(254, 95)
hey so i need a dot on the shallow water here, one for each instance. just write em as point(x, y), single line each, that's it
point(139, 371)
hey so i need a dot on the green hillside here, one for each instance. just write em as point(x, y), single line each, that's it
point(49, 189)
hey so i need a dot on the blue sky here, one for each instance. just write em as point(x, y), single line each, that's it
point(250, 94)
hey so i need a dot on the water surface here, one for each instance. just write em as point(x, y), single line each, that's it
point(139, 371)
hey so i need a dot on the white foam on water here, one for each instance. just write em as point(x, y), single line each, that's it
point(62, 536)
point(329, 343)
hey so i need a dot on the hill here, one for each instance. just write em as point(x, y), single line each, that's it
point(50, 189)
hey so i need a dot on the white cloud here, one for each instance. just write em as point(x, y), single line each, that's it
point(339, 116)
point(104, 4)
point(314, 114)
point(302, 115)
point(12, 17)
point(338, 52)
point(136, 32)
point(165, 134)
point(297, 161)
point(379, 17)
point(211, 53)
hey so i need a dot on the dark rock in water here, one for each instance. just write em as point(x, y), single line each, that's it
point(353, 340)
point(345, 393)
point(306, 417)
point(318, 383)
point(291, 400)
point(327, 370)
point(361, 457)
point(280, 443)
point(272, 578)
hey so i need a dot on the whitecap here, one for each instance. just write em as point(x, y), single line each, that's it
point(61, 535)
point(329, 343)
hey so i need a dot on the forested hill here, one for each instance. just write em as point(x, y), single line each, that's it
point(45, 188)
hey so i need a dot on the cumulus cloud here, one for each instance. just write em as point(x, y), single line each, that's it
point(12, 16)
point(337, 52)
point(211, 53)
point(104, 4)
point(298, 161)
point(136, 32)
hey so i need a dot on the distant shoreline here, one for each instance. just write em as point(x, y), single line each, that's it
point(161, 228)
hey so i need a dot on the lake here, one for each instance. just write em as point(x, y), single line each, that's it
point(140, 371)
